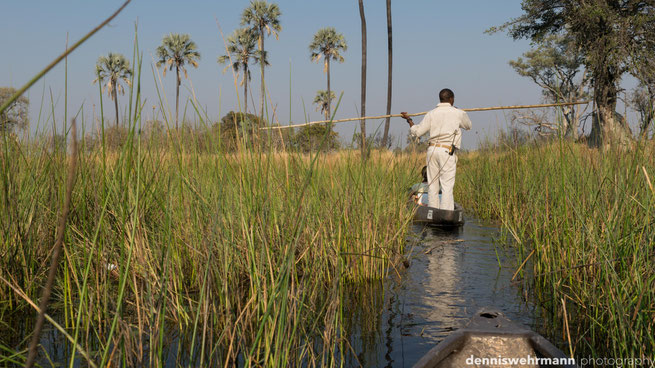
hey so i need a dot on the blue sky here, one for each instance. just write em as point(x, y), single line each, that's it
point(437, 44)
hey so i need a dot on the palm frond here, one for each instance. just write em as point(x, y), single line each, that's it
point(242, 47)
point(177, 50)
point(112, 68)
point(264, 15)
point(329, 43)
point(321, 100)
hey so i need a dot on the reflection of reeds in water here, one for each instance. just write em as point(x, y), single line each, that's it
point(246, 254)
point(587, 216)
point(442, 286)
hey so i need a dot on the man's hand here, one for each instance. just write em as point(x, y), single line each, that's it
point(406, 117)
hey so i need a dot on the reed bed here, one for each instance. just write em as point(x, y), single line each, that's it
point(172, 256)
point(181, 251)
point(584, 221)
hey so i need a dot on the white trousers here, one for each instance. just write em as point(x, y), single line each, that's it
point(441, 175)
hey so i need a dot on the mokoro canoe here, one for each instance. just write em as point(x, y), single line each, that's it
point(437, 217)
point(491, 340)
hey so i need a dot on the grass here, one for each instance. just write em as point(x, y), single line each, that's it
point(585, 219)
point(246, 254)
point(180, 250)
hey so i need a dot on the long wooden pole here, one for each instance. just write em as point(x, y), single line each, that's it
point(516, 107)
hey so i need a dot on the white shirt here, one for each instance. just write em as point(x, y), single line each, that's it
point(443, 123)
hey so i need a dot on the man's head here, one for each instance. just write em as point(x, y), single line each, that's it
point(446, 95)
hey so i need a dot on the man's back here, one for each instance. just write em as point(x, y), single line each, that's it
point(443, 124)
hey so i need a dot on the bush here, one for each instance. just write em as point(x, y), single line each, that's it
point(310, 138)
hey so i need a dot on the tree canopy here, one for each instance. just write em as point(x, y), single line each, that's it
point(176, 51)
point(15, 116)
point(608, 32)
point(113, 69)
point(264, 19)
point(241, 48)
point(313, 137)
point(328, 44)
point(321, 101)
point(238, 127)
point(555, 65)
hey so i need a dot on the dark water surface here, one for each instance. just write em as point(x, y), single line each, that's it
point(451, 275)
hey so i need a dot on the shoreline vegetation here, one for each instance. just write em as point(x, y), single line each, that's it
point(583, 219)
point(249, 254)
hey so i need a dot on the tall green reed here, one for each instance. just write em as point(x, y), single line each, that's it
point(246, 256)
point(585, 219)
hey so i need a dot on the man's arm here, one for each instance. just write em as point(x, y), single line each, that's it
point(465, 122)
point(416, 129)
point(408, 118)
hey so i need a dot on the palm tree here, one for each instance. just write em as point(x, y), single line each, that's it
point(241, 48)
point(264, 19)
point(385, 136)
point(328, 44)
point(362, 122)
point(175, 51)
point(321, 100)
point(113, 68)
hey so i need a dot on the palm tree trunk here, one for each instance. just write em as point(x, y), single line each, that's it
point(262, 64)
point(177, 96)
point(245, 88)
point(385, 136)
point(329, 95)
point(114, 92)
point(363, 86)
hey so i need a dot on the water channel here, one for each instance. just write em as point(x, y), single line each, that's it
point(451, 275)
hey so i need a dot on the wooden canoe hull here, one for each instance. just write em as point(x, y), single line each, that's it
point(437, 217)
point(491, 335)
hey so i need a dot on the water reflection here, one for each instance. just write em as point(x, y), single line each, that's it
point(452, 274)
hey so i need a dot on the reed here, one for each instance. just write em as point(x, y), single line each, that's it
point(584, 217)
point(244, 255)
point(180, 252)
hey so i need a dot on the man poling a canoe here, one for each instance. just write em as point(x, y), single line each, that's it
point(444, 124)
